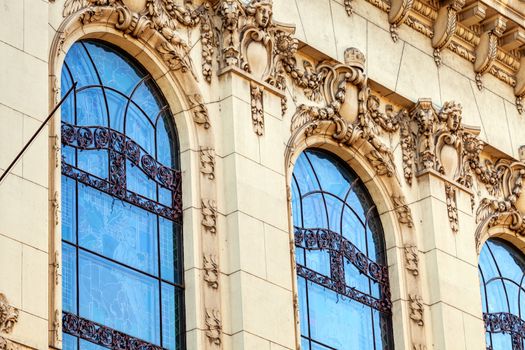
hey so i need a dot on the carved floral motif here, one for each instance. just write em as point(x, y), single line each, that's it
point(211, 271)
point(257, 108)
point(213, 326)
point(207, 159)
point(416, 309)
point(209, 215)
point(412, 259)
point(404, 214)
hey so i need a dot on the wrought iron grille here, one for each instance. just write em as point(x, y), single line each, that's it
point(502, 275)
point(114, 85)
point(330, 205)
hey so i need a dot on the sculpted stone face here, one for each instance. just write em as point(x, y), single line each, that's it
point(454, 120)
point(263, 15)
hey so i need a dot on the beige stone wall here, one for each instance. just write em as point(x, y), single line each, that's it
point(240, 215)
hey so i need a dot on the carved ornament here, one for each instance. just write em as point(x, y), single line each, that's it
point(452, 208)
point(415, 303)
point(403, 212)
point(8, 315)
point(211, 271)
point(6, 344)
point(207, 159)
point(445, 27)
point(213, 326)
point(350, 112)
point(163, 17)
point(412, 259)
point(209, 215)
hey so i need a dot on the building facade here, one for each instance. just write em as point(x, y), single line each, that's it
point(249, 174)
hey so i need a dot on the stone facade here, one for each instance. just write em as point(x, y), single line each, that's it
point(422, 98)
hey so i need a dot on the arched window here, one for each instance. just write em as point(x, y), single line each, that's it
point(122, 283)
point(344, 296)
point(502, 272)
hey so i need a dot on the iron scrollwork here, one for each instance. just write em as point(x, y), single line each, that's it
point(122, 148)
point(506, 323)
point(102, 335)
point(339, 249)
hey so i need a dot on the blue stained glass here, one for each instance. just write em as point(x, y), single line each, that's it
point(139, 182)
point(119, 246)
point(69, 278)
point(145, 96)
point(114, 70)
point(168, 251)
point(86, 345)
point(69, 342)
point(94, 162)
point(171, 301)
point(91, 107)
point(332, 197)
point(69, 214)
point(117, 107)
point(119, 298)
point(139, 128)
point(81, 68)
point(164, 144)
point(117, 230)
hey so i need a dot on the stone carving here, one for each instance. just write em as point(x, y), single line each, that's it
point(416, 309)
point(213, 326)
point(404, 215)
point(399, 10)
point(200, 112)
point(166, 18)
point(412, 259)
point(207, 157)
point(506, 206)
point(211, 271)
point(209, 215)
point(445, 27)
point(6, 344)
point(440, 141)
point(56, 208)
point(56, 150)
point(8, 315)
point(57, 326)
point(254, 42)
point(419, 347)
point(56, 267)
point(348, 7)
point(351, 113)
point(257, 108)
point(452, 208)
point(487, 48)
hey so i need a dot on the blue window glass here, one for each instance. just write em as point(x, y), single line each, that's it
point(121, 198)
point(344, 296)
point(502, 273)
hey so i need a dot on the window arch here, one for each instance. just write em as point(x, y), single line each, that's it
point(121, 206)
point(502, 277)
point(344, 296)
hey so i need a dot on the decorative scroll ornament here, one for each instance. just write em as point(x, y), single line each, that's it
point(404, 214)
point(441, 143)
point(8, 315)
point(211, 271)
point(207, 157)
point(445, 27)
point(416, 309)
point(200, 112)
point(506, 207)
point(209, 215)
point(351, 113)
point(398, 13)
point(412, 259)
point(452, 208)
point(257, 108)
point(136, 18)
point(487, 48)
point(253, 42)
point(213, 326)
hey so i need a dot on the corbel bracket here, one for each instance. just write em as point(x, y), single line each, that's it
point(487, 49)
point(519, 89)
point(397, 15)
point(445, 26)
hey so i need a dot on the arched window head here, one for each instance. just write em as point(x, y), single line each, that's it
point(121, 206)
point(502, 272)
point(344, 296)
